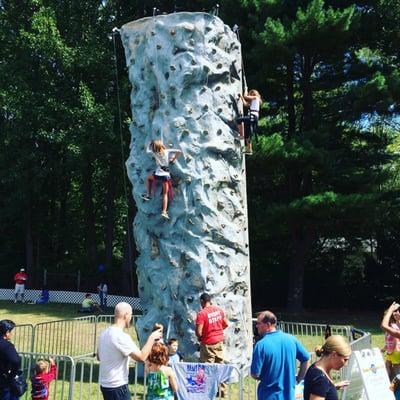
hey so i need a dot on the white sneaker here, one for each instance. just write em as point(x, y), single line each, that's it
point(165, 215)
point(145, 197)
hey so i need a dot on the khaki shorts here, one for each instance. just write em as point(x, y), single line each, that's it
point(212, 353)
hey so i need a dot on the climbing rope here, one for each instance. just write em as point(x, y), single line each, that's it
point(156, 64)
point(235, 29)
point(115, 31)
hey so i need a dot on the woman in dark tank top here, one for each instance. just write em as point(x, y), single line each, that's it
point(334, 354)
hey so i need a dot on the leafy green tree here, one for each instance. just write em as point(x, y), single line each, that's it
point(323, 161)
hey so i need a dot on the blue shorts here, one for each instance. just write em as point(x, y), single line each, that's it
point(118, 393)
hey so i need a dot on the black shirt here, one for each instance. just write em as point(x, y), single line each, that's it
point(10, 362)
point(316, 382)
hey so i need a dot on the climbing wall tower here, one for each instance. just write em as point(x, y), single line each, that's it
point(185, 70)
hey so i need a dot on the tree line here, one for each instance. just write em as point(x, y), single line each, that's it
point(323, 188)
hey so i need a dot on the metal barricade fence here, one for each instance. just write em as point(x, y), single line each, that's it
point(74, 343)
point(72, 337)
point(310, 329)
point(23, 337)
point(249, 385)
point(86, 380)
point(77, 378)
point(62, 387)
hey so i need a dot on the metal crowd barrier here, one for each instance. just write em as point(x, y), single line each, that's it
point(74, 344)
point(86, 380)
point(309, 329)
point(23, 337)
point(62, 388)
point(72, 337)
point(249, 385)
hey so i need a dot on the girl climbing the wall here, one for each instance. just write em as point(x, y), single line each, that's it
point(253, 100)
point(164, 157)
point(161, 380)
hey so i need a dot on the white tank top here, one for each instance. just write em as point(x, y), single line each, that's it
point(255, 105)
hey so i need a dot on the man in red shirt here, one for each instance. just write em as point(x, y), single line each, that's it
point(210, 325)
point(20, 279)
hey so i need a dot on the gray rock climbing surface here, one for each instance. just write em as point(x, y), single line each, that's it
point(185, 70)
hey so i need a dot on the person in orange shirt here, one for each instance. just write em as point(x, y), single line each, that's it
point(20, 279)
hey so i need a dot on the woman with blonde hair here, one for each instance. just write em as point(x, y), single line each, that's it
point(334, 354)
point(253, 100)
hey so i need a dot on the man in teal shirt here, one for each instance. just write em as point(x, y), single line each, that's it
point(274, 360)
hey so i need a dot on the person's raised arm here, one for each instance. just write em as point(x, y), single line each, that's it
point(248, 97)
point(177, 153)
point(141, 355)
point(149, 148)
point(385, 324)
point(245, 103)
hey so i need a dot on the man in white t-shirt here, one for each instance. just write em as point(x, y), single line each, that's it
point(115, 348)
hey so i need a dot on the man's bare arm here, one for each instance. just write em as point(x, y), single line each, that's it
point(199, 331)
point(141, 355)
point(302, 371)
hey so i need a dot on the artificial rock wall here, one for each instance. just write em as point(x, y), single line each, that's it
point(185, 71)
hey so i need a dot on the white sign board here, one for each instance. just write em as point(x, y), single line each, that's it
point(373, 373)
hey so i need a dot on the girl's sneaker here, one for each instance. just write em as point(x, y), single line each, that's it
point(145, 197)
point(165, 215)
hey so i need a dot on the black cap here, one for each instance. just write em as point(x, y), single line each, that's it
point(205, 297)
point(6, 325)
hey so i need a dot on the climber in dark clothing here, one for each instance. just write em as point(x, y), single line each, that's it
point(10, 362)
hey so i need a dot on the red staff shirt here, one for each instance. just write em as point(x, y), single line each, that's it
point(213, 320)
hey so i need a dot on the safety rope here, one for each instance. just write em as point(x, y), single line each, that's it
point(130, 253)
point(156, 66)
point(244, 81)
point(243, 181)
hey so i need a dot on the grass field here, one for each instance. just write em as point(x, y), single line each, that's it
point(87, 370)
